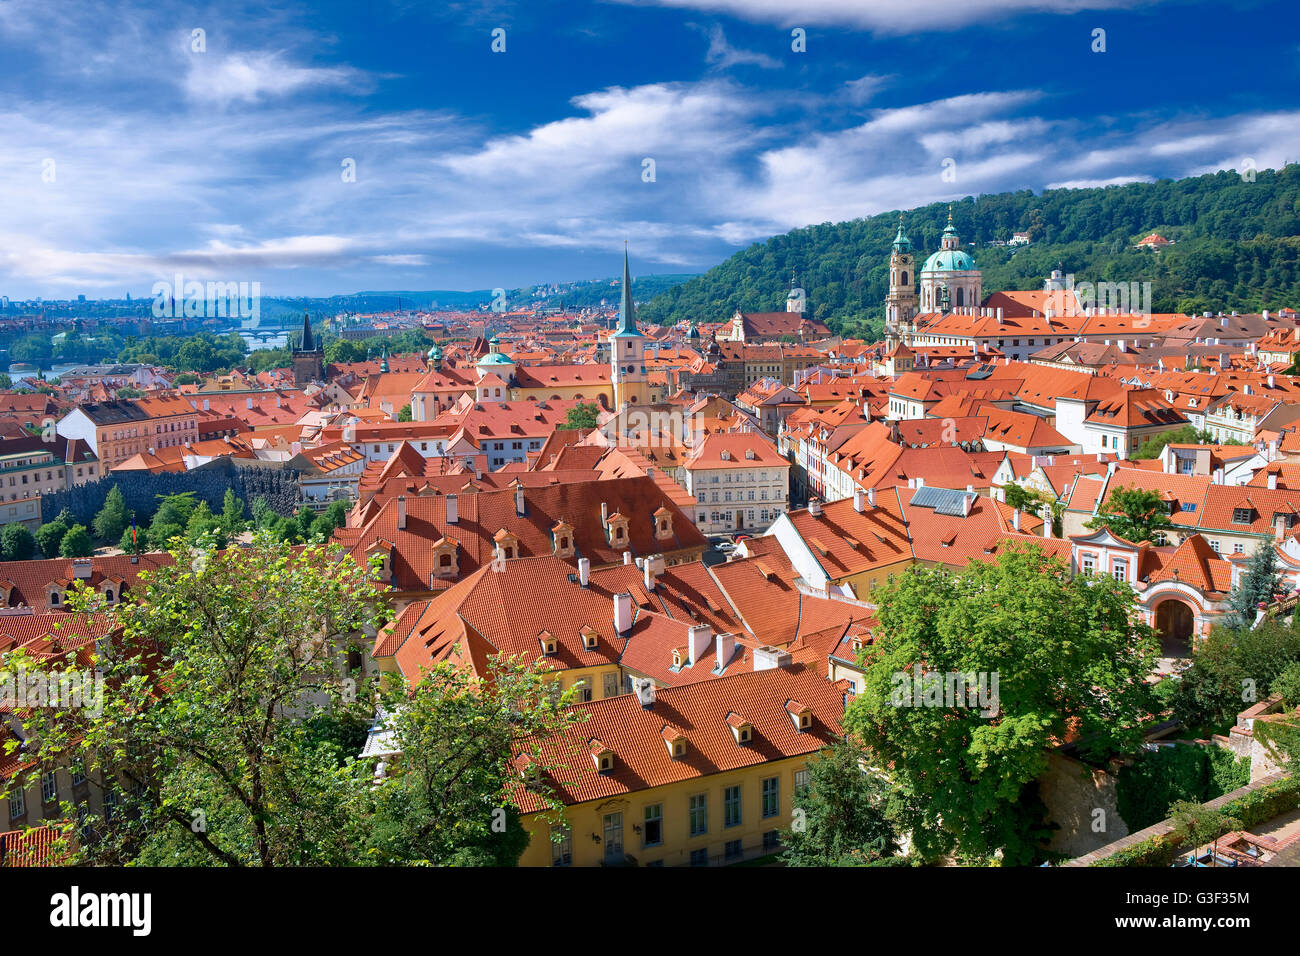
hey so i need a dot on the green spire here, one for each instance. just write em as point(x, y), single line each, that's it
point(626, 311)
point(901, 242)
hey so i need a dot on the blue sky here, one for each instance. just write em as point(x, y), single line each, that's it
point(477, 169)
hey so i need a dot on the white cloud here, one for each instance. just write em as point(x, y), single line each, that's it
point(885, 16)
point(250, 77)
point(722, 55)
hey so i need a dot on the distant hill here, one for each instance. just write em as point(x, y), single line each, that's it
point(1237, 246)
point(577, 294)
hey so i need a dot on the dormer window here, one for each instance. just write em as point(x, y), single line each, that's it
point(548, 642)
point(800, 714)
point(1241, 515)
point(589, 638)
point(445, 563)
point(677, 657)
point(675, 741)
point(562, 539)
point(663, 519)
point(741, 729)
point(601, 755)
point(56, 596)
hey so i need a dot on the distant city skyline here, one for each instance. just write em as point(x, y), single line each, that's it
point(135, 147)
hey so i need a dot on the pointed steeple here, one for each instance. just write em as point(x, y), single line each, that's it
point(307, 344)
point(626, 310)
point(901, 242)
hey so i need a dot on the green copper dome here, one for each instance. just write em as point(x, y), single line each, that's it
point(949, 260)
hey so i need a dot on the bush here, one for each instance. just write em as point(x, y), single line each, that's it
point(49, 537)
point(16, 543)
point(77, 543)
point(1229, 663)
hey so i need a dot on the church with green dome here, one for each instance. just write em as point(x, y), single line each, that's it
point(949, 279)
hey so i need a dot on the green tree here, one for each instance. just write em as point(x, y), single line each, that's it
point(113, 518)
point(16, 543)
point(232, 514)
point(841, 818)
point(77, 543)
point(582, 415)
point(404, 415)
point(1056, 656)
point(457, 766)
point(1257, 586)
point(49, 536)
point(217, 671)
point(6, 382)
point(337, 512)
point(1134, 514)
point(1231, 670)
point(1199, 825)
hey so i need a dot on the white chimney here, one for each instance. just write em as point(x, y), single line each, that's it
point(1218, 476)
point(1047, 521)
point(697, 641)
point(814, 508)
point(725, 650)
point(584, 571)
point(966, 502)
point(859, 500)
point(519, 500)
point(1272, 481)
point(644, 688)
point(401, 512)
point(453, 515)
point(649, 568)
point(627, 557)
point(1015, 519)
point(623, 612)
point(768, 658)
point(871, 497)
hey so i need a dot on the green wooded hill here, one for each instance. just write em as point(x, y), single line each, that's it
point(1237, 247)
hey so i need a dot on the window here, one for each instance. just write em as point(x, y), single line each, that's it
point(732, 850)
point(614, 838)
point(699, 858)
point(731, 806)
point(1241, 515)
point(802, 780)
point(1088, 563)
point(699, 814)
point(561, 846)
point(16, 805)
point(771, 796)
point(654, 825)
point(78, 775)
point(49, 787)
point(1238, 548)
point(1214, 545)
point(1119, 570)
point(771, 839)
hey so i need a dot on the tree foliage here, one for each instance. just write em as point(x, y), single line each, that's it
point(841, 819)
point(1069, 655)
point(1237, 246)
point(1134, 514)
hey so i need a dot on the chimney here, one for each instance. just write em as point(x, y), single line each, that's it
point(966, 502)
point(859, 500)
point(814, 508)
point(650, 571)
point(453, 514)
point(519, 500)
point(1015, 520)
point(644, 688)
point(1272, 481)
point(401, 512)
point(726, 649)
point(622, 612)
point(697, 641)
point(604, 515)
point(871, 497)
point(1047, 521)
point(627, 557)
point(1218, 476)
point(584, 571)
point(768, 658)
